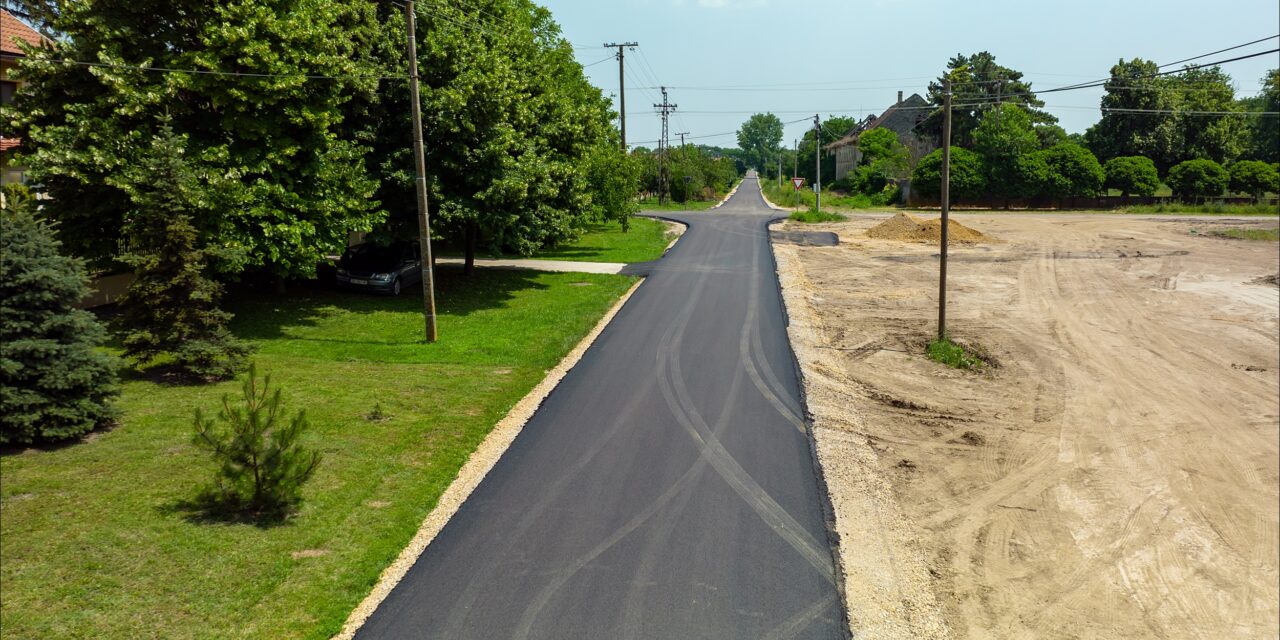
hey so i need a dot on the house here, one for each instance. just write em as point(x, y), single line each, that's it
point(902, 118)
point(13, 32)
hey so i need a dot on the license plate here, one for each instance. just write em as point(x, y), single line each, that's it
point(355, 281)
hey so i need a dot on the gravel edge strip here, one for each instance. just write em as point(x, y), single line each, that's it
point(887, 591)
point(473, 472)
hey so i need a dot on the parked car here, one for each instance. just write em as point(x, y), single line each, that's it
point(380, 268)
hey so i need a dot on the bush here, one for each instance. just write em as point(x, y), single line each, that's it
point(1254, 177)
point(1199, 177)
point(1132, 175)
point(54, 384)
point(1074, 171)
point(261, 465)
point(967, 174)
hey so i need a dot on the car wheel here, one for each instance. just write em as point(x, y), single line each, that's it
point(395, 287)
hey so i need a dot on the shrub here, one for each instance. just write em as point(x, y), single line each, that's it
point(261, 465)
point(1074, 170)
point(1132, 175)
point(54, 384)
point(967, 174)
point(1254, 177)
point(1199, 177)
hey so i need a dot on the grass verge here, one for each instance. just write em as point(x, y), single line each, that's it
point(816, 216)
point(1268, 235)
point(953, 355)
point(98, 542)
point(651, 204)
point(607, 242)
point(1205, 209)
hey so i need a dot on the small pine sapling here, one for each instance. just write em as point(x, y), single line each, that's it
point(261, 464)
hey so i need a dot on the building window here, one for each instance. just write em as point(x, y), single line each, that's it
point(7, 89)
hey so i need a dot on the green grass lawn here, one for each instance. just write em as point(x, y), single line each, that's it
point(606, 242)
point(97, 542)
point(816, 216)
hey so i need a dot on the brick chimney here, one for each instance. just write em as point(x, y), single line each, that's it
point(899, 97)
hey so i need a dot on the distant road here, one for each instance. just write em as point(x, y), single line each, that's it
point(664, 490)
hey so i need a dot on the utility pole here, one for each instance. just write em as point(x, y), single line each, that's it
point(946, 207)
point(663, 144)
point(420, 160)
point(817, 154)
point(682, 134)
point(622, 87)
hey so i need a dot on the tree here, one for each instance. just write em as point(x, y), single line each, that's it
point(261, 464)
point(1167, 118)
point(1196, 178)
point(1073, 169)
point(968, 175)
point(1132, 175)
point(54, 383)
point(1264, 131)
point(294, 184)
point(1254, 177)
point(513, 123)
point(171, 307)
point(884, 158)
point(614, 177)
point(979, 85)
point(759, 138)
point(833, 128)
point(1003, 137)
point(1051, 134)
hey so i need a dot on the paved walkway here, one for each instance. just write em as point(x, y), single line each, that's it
point(560, 266)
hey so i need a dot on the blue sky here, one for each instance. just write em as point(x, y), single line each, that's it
point(853, 57)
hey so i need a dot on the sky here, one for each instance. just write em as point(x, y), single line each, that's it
point(723, 60)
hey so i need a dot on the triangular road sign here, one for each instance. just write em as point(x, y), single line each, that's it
point(798, 182)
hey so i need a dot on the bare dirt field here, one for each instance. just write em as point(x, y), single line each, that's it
point(1114, 474)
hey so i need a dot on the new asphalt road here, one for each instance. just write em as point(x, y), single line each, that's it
point(664, 490)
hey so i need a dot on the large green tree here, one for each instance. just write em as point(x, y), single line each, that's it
point(833, 128)
point(978, 85)
point(514, 130)
point(1168, 117)
point(1264, 130)
point(1006, 138)
point(759, 138)
point(292, 184)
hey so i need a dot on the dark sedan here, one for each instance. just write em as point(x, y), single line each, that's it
point(380, 268)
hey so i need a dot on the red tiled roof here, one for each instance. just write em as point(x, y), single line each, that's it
point(16, 31)
point(9, 143)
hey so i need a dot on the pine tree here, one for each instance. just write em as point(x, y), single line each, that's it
point(54, 383)
point(171, 308)
point(261, 465)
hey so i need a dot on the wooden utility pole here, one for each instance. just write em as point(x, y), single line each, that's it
point(622, 87)
point(795, 167)
point(817, 155)
point(420, 159)
point(946, 208)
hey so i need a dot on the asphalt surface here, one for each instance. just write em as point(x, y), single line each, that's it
point(665, 489)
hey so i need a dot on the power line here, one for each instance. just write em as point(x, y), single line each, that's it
point(1214, 53)
point(206, 72)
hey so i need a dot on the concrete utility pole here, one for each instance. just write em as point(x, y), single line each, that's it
point(795, 166)
point(946, 207)
point(622, 87)
point(682, 134)
point(663, 144)
point(420, 160)
point(817, 154)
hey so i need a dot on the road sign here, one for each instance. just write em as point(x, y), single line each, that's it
point(798, 182)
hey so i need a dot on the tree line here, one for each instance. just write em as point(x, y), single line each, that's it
point(1188, 130)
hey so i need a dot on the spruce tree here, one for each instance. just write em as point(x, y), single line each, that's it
point(171, 308)
point(54, 383)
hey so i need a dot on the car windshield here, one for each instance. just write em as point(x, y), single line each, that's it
point(368, 257)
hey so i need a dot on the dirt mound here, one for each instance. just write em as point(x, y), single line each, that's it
point(908, 228)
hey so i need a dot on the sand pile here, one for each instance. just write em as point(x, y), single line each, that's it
point(908, 228)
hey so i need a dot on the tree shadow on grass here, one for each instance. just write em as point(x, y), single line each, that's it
point(261, 315)
point(201, 512)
